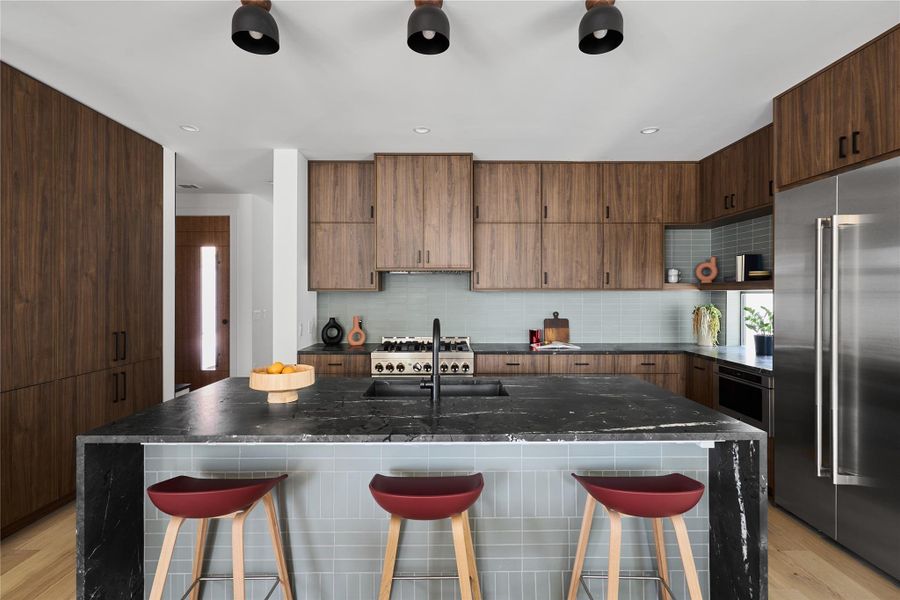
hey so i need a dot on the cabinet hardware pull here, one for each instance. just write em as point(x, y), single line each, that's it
point(116, 348)
point(732, 201)
point(607, 211)
point(771, 187)
point(648, 364)
point(124, 345)
point(124, 386)
point(842, 146)
point(578, 364)
point(700, 368)
point(726, 201)
point(340, 364)
point(371, 277)
point(607, 278)
point(476, 211)
point(545, 277)
point(419, 257)
point(428, 256)
point(854, 144)
point(477, 278)
point(371, 211)
point(116, 394)
point(513, 364)
point(545, 211)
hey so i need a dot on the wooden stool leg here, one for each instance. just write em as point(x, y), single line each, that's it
point(237, 552)
point(583, 538)
point(470, 551)
point(661, 566)
point(462, 561)
point(197, 570)
point(390, 558)
point(275, 532)
point(165, 558)
point(615, 553)
point(687, 557)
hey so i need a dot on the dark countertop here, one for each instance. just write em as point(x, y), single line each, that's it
point(538, 409)
point(735, 355)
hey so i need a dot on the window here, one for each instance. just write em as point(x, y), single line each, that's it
point(208, 308)
point(755, 300)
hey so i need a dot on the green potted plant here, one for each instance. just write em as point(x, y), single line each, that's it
point(707, 321)
point(762, 324)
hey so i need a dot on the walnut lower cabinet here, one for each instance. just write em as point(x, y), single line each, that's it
point(585, 364)
point(344, 364)
point(700, 380)
point(511, 364)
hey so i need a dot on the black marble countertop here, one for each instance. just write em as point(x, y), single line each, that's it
point(538, 409)
point(739, 356)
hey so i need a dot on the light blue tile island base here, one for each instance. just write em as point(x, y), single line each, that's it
point(525, 524)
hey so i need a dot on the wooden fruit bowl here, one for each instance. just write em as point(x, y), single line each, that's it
point(283, 387)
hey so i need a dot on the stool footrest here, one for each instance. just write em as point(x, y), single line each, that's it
point(197, 581)
point(653, 576)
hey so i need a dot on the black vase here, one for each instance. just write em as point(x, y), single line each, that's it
point(765, 344)
point(332, 333)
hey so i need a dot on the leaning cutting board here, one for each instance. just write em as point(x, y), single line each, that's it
point(556, 329)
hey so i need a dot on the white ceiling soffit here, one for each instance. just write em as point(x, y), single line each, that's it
point(513, 84)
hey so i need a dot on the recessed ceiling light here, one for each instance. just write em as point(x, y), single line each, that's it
point(649, 130)
point(421, 130)
point(190, 128)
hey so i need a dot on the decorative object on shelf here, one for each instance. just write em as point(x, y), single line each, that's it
point(762, 324)
point(332, 333)
point(282, 381)
point(707, 271)
point(707, 321)
point(674, 276)
point(534, 336)
point(356, 337)
point(744, 264)
point(762, 274)
point(253, 29)
point(601, 28)
point(556, 329)
point(428, 28)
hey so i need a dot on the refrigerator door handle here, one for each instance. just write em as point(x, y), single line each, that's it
point(821, 471)
point(837, 477)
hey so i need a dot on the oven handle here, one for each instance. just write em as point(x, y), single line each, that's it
point(821, 224)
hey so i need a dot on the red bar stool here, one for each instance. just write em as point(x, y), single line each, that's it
point(654, 498)
point(191, 498)
point(430, 499)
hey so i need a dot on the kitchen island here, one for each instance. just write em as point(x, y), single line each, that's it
point(335, 438)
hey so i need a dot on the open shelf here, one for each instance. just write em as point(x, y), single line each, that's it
point(683, 286)
point(760, 284)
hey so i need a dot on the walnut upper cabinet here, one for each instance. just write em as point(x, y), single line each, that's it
point(681, 193)
point(423, 212)
point(507, 256)
point(633, 256)
point(507, 192)
point(843, 115)
point(571, 192)
point(738, 177)
point(633, 192)
point(571, 256)
point(342, 226)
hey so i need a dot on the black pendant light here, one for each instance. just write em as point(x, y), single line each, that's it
point(428, 28)
point(601, 28)
point(253, 29)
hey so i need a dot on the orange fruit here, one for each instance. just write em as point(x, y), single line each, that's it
point(288, 369)
point(275, 368)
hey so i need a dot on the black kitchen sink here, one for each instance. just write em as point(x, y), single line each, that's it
point(405, 389)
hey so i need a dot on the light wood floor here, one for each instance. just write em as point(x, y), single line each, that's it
point(38, 563)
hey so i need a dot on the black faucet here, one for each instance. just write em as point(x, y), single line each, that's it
point(434, 384)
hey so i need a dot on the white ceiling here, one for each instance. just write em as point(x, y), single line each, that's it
point(513, 84)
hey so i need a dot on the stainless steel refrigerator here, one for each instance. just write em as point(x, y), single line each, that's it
point(837, 358)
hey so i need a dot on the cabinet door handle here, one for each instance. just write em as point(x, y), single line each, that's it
point(854, 143)
point(607, 211)
point(732, 201)
point(428, 256)
point(581, 364)
point(124, 386)
point(771, 187)
point(511, 364)
point(842, 146)
point(124, 345)
point(340, 364)
point(371, 277)
point(545, 277)
point(648, 364)
point(116, 346)
point(700, 368)
point(371, 211)
point(419, 257)
point(477, 278)
point(476, 211)
point(545, 211)
point(726, 202)
point(607, 278)
point(116, 393)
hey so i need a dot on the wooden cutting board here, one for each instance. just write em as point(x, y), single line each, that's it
point(556, 329)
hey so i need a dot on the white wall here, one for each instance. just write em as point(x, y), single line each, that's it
point(307, 301)
point(248, 234)
point(168, 284)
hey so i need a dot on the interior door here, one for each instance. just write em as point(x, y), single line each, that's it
point(804, 489)
point(202, 304)
point(868, 340)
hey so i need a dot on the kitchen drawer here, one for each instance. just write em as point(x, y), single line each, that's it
point(673, 382)
point(649, 363)
point(348, 365)
point(510, 364)
point(573, 364)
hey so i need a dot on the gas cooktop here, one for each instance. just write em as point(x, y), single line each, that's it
point(412, 356)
